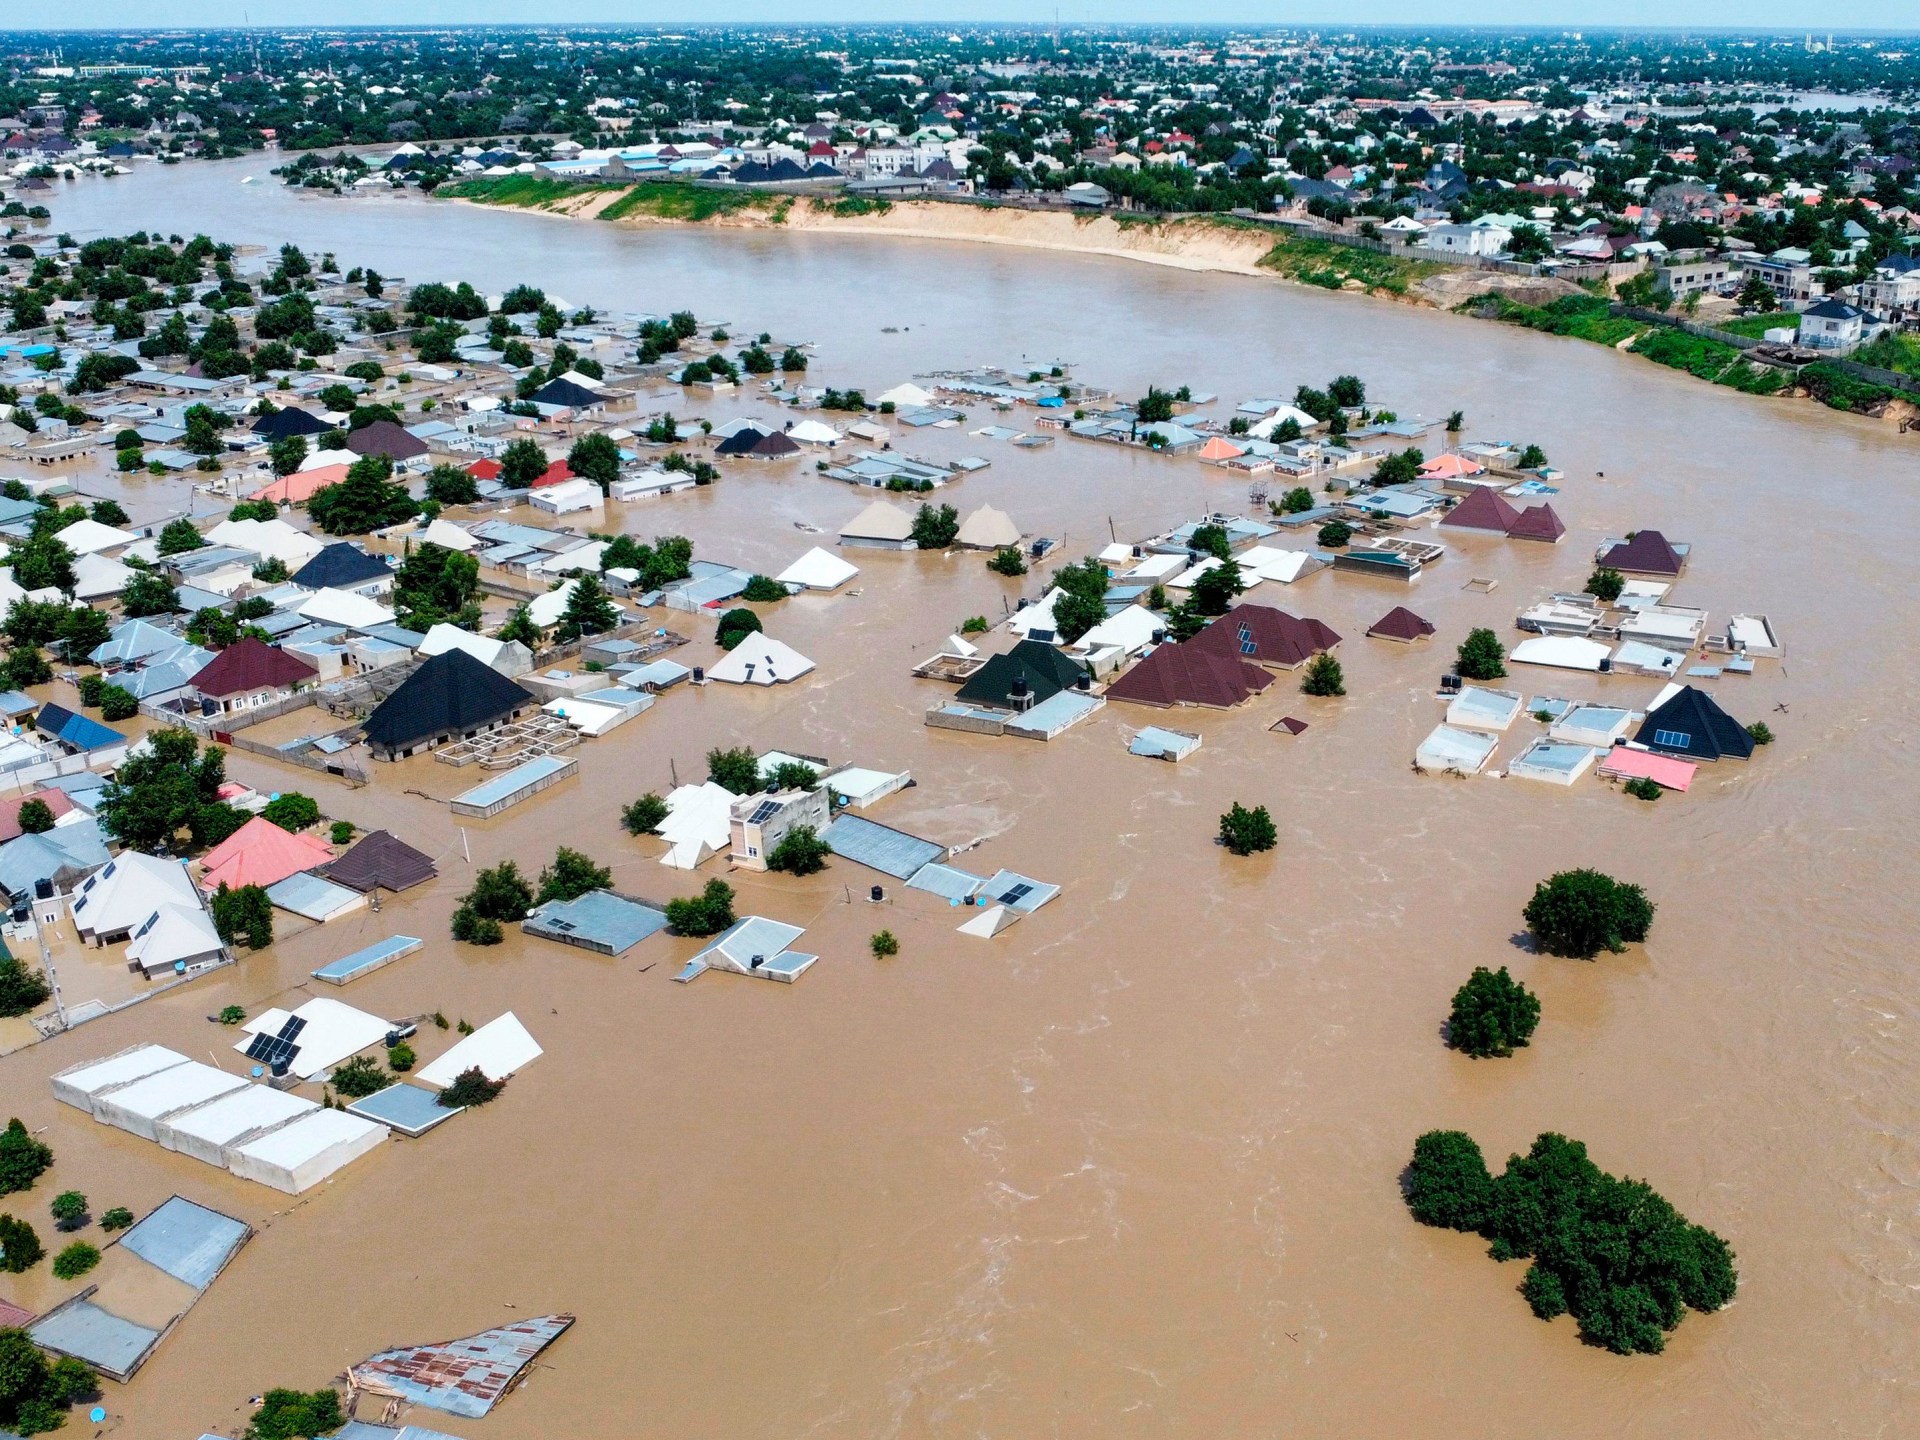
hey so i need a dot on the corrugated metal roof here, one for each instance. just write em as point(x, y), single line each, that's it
point(880, 847)
point(188, 1241)
point(462, 1377)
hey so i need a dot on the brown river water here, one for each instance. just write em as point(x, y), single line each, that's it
point(1130, 1168)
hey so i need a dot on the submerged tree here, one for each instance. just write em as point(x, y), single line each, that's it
point(1492, 1014)
point(1579, 913)
point(1245, 831)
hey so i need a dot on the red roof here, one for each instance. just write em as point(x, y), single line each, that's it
point(1647, 553)
point(1266, 636)
point(1537, 522)
point(252, 664)
point(55, 800)
point(1400, 623)
point(1482, 510)
point(1188, 675)
point(558, 472)
point(485, 469)
point(260, 853)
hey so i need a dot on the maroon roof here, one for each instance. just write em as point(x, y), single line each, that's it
point(251, 664)
point(1537, 522)
point(1289, 724)
point(1647, 553)
point(1400, 623)
point(383, 437)
point(1188, 675)
point(1266, 636)
point(1483, 510)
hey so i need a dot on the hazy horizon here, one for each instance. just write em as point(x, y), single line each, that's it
point(1744, 16)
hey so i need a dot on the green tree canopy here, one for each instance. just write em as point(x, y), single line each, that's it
point(435, 585)
point(1492, 1014)
point(366, 500)
point(1579, 913)
point(571, 875)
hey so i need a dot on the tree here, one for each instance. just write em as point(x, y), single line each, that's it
point(26, 667)
point(1605, 585)
point(935, 529)
point(1323, 677)
point(762, 590)
point(1216, 587)
point(793, 360)
point(523, 463)
point(292, 811)
point(1348, 392)
point(21, 1246)
point(81, 631)
point(400, 1058)
point(108, 512)
point(434, 586)
point(734, 627)
point(22, 990)
point(1184, 621)
point(1400, 468)
point(293, 1414)
point(471, 1087)
point(1210, 540)
point(571, 875)
point(1334, 534)
point(149, 593)
point(1492, 1014)
point(36, 817)
point(360, 1077)
point(884, 945)
point(1760, 732)
point(118, 703)
point(801, 851)
point(287, 453)
point(793, 775)
point(203, 432)
point(69, 1210)
point(1297, 501)
point(366, 500)
point(76, 1260)
point(1155, 407)
point(1448, 1183)
point(590, 612)
point(644, 816)
point(520, 627)
point(1529, 243)
point(1532, 458)
point(1456, 422)
point(450, 485)
point(500, 893)
point(1481, 656)
point(1613, 1252)
point(1245, 831)
point(1083, 603)
point(597, 458)
point(243, 914)
point(1754, 295)
point(737, 770)
point(707, 913)
point(116, 1219)
point(1578, 913)
point(23, 1159)
point(33, 1391)
point(161, 790)
point(43, 562)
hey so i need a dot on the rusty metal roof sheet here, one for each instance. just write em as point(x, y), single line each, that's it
point(461, 1377)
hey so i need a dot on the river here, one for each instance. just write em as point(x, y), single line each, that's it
point(1129, 1169)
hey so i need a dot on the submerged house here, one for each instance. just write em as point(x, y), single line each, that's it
point(1266, 636)
point(1190, 674)
point(451, 697)
point(1029, 673)
point(1691, 725)
point(1647, 552)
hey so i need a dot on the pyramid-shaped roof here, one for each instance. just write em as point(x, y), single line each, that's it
point(1401, 623)
point(879, 521)
point(1692, 724)
point(381, 859)
point(1537, 522)
point(1266, 635)
point(1190, 675)
point(1483, 510)
point(1647, 553)
point(290, 420)
point(260, 853)
point(1046, 671)
point(450, 694)
point(342, 566)
point(252, 664)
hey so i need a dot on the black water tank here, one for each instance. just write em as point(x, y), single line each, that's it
point(1085, 682)
point(877, 895)
point(699, 674)
point(1018, 689)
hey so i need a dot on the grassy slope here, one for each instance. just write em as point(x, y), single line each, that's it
point(1324, 263)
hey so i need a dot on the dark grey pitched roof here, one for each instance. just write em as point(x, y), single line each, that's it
point(1046, 671)
point(381, 859)
point(342, 566)
point(1691, 724)
point(562, 391)
point(290, 421)
point(450, 694)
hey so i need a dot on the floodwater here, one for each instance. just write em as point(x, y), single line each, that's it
point(1131, 1168)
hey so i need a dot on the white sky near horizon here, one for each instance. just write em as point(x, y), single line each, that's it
point(1798, 15)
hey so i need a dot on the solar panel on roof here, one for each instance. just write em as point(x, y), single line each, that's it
point(1016, 894)
point(763, 812)
point(1247, 647)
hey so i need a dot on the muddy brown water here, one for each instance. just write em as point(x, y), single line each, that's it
point(1129, 1169)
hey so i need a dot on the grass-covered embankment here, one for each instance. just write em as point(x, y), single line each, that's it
point(525, 192)
point(1331, 266)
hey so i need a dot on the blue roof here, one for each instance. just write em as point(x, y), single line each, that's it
point(188, 1241)
point(599, 920)
point(407, 1108)
point(351, 967)
point(1016, 891)
point(501, 786)
point(311, 896)
point(99, 1337)
point(880, 847)
point(949, 882)
point(77, 730)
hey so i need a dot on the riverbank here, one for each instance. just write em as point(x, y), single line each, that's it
point(1204, 243)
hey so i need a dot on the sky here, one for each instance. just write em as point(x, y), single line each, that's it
point(1595, 14)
